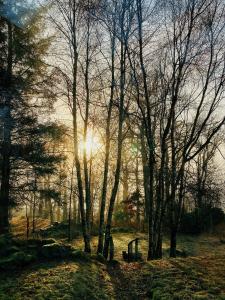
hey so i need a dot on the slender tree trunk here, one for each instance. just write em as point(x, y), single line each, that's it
point(119, 148)
point(27, 223)
point(65, 203)
point(6, 147)
point(148, 132)
point(176, 213)
point(107, 147)
point(125, 180)
point(145, 173)
point(34, 207)
point(74, 210)
point(86, 236)
point(138, 214)
point(70, 208)
point(91, 187)
point(173, 242)
point(85, 159)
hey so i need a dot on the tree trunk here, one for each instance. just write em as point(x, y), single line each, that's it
point(6, 147)
point(119, 148)
point(86, 236)
point(107, 148)
point(173, 242)
point(86, 120)
point(70, 208)
point(138, 213)
point(145, 173)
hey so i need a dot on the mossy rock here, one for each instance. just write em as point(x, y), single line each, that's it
point(41, 242)
point(179, 252)
point(80, 255)
point(100, 258)
point(17, 259)
point(60, 230)
point(23, 258)
point(48, 241)
point(6, 242)
point(13, 249)
point(56, 250)
point(114, 263)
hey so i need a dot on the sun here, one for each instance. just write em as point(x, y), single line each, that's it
point(92, 144)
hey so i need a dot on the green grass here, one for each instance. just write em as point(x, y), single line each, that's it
point(194, 277)
point(192, 245)
point(67, 280)
point(199, 276)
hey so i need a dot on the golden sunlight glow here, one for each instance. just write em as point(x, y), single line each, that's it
point(92, 144)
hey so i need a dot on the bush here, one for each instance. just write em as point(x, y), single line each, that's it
point(123, 230)
point(120, 217)
point(201, 220)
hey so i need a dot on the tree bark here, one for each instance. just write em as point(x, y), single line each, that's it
point(107, 147)
point(6, 147)
point(119, 146)
point(86, 236)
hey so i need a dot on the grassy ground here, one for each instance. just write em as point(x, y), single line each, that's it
point(199, 276)
point(65, 280)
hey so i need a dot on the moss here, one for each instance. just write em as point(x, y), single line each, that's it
point(6, 243)
point(88, 277)
point(100, 258)
point(58, 281)
point(79, 255)
point(40, 242)
point(56, 250)
point(17, 259)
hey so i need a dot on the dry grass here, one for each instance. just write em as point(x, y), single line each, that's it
point(19, 225)
point(199, 276)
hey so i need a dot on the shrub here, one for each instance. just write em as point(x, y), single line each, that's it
point(201, 220)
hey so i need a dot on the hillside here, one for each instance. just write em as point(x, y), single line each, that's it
point(198, 276)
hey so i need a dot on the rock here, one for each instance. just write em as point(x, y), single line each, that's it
point(56, 250)
point(22, 258)
point(17, 259)
point(181, 253)
point(5, 243)
point(80, 255)
point(100, 258)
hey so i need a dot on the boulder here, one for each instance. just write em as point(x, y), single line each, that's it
point(56, 250)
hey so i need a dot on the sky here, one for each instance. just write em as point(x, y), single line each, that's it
point(19, 12)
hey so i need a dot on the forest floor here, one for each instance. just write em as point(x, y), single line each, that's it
point(201, 275)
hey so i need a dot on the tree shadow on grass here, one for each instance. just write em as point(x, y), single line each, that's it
point(57, 280)
point(122, 282)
